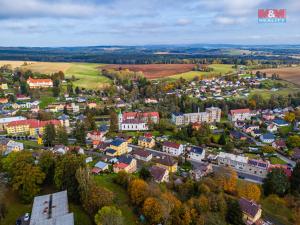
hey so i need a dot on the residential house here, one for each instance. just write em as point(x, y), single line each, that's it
point(120, 146)
point(39, 83)
point(280, 123)
point(286, 169)
point(3, 86)
point(151, 101)
point(202, 170)
point(13, 146)
point(267, 138)
point(249, 128)
point(146, 142)
point(168, 163)
point(251, 210)
point(72, 107)
point(272, 128)
point(195, 153)
point(95, 136)
point(56, 107)
point(159, 174)
point(239, 115)
point(238, 135)
point(64, 120)
point(111, 152)
point(3, 145)
point(100, 167)
point(143, 155)
point(125, 163)
point(279, 144)
point(172, 148)
point(3, 100)
point(237, 162)
point(60, 149)
point(256, 133)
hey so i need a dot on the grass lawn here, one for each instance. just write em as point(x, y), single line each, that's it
point(88, 75)
point(46, 100)
point(121, 199)
point(277, 210)
point(276, 160)
point(252, 155)
point(30, 144)
point(80, 216)
point(15, 208)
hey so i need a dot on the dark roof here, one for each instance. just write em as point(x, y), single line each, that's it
point(141, 153)
point(157, 172)
point(249, 207)
point(167, 161)
point(117, 142)
point(111, 151)
point(237, 135)
point(268, 136)
point(197, 150)
point(296, 154)
point(145, 139)
point(125, 159)
point(280, 122)
point(177, 114)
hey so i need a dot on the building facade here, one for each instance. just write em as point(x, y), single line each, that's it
point(39, 83)
point(136, 121)
point(239, 115)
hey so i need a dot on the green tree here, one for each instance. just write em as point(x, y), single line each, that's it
point(145, 174)
point(3, 208)
point(62, 136)
point(80, 133)
point(222, 140)
point(295, 179)
point(113, 122)
point(47, 165)
point(234, 215)
point(276, 182)
point(49, 135)
point(65, 170)
point(293, 141)
point(109, 215)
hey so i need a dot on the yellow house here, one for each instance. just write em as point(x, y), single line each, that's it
point(120, 146)
point(3, 86)
point(146, 142)
point(168, 163)
point(251, 210)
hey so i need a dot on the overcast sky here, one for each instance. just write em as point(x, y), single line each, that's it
point(139, 22)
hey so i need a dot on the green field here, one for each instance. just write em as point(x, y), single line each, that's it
point(218, 69)
point(121, 200)
point(286, 89)
point(87, 75)
point(276, 160)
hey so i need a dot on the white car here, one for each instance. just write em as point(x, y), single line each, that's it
point(26, 217)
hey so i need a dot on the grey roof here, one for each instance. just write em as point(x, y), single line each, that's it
point(51, 209)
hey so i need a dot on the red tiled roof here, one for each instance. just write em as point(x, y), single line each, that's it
point(121, 165)
point(137, 114)
point(32, 80)
point(32, 123)
point(287, 170)
point(171, 144)
point(239, 111)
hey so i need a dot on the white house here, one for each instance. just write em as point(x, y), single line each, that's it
point(267, 138)
point(239, 115)
point(13, 146)
point(172, 148)
point(196, 153)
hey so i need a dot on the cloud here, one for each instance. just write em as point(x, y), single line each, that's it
point(183, 22)
point(40, 8)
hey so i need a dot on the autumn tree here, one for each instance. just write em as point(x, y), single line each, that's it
point(109, 215)
point(138, 191)
point(153, 210)
point(228, 178)
point(3, 208)
point(171, 205)
point(290, 117)
point(268, 149)
point(249, 191)
point(293, 141)
point(92, 196)
point(114, 126)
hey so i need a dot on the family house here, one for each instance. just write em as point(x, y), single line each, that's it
point(251, 211)
point(195, 153)
point(143, 155)
point(168, 163)
point(95, 136)
point(120, 146)
point(172, 148)
point(159, 174)
point(202, 170)
point(272, 128)
point(280, 123)
point(125, 163)
point(279, 144)
point(146, 142)
point(267, 138)
point(99, 167)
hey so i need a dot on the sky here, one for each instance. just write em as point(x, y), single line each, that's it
point(55, 23)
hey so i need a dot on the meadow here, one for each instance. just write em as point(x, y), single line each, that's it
point(87, 75)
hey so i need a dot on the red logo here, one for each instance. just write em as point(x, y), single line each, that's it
point(272, 15)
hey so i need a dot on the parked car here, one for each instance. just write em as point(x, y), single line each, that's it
point(26, 217)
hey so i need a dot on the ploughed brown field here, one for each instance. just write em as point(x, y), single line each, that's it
point(291, 74)
point(153, 71)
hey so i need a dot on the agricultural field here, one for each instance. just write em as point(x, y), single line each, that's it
point(87, 75)
point(154, 71)
point(218, 69)
point(291, 74)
